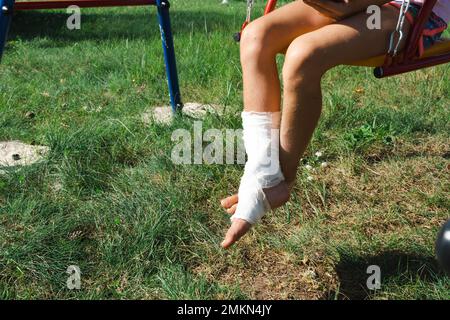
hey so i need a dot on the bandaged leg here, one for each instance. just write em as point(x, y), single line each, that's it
point(261, 136)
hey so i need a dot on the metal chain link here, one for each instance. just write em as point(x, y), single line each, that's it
point(393, 49)
point(249, 10)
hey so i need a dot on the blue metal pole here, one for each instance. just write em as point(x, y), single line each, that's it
point(6, 10)
point(169, 54)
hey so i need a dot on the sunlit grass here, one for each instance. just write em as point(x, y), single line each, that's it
point(109, 199)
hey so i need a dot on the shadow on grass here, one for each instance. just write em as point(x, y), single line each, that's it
point(396, 267)
point(115, 25)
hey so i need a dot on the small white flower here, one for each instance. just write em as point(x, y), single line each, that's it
point(319, 154)
point(310, 178)
point(324, 164)
point(308, 167)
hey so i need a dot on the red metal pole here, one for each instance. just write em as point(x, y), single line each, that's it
point(383, 72)
point(80, 3)
point(416, 31)
point(271, 4)
point(410, 62)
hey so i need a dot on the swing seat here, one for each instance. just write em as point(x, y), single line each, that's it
point(440, 47)
point(439, 53)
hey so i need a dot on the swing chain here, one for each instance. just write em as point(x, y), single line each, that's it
point(393, 49)
point(249, 10)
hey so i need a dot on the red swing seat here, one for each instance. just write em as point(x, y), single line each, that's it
point(437, 54)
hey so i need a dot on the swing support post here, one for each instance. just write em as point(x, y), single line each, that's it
point(169, 54)
point(6, 11)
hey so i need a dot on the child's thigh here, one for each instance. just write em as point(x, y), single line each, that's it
point(280, 27)
point(347, 41)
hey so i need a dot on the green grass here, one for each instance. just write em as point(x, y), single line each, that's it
point(109, 199)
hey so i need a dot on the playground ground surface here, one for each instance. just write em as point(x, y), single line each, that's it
point(109, 199)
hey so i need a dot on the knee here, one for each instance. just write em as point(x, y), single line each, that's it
point(303, 64)
point(255, 42)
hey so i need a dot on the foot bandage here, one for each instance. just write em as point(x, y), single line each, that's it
point(261, 137)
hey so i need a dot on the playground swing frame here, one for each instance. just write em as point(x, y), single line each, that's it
point(406, 61)
point(8, 7)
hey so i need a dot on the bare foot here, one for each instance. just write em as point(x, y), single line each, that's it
point(276, 196)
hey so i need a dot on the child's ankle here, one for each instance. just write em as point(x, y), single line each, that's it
point(278, 195)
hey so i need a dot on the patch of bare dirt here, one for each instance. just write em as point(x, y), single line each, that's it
point(269, 274)
point(16, 154)
point(164, 114)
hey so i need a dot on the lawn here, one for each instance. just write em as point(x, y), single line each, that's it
point(109, 199)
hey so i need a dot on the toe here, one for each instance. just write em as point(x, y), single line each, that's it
point(238, 228)
point(232, 210)
point(227, 203)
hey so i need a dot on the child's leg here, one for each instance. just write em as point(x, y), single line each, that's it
point(260, 43)
point(308, 57)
